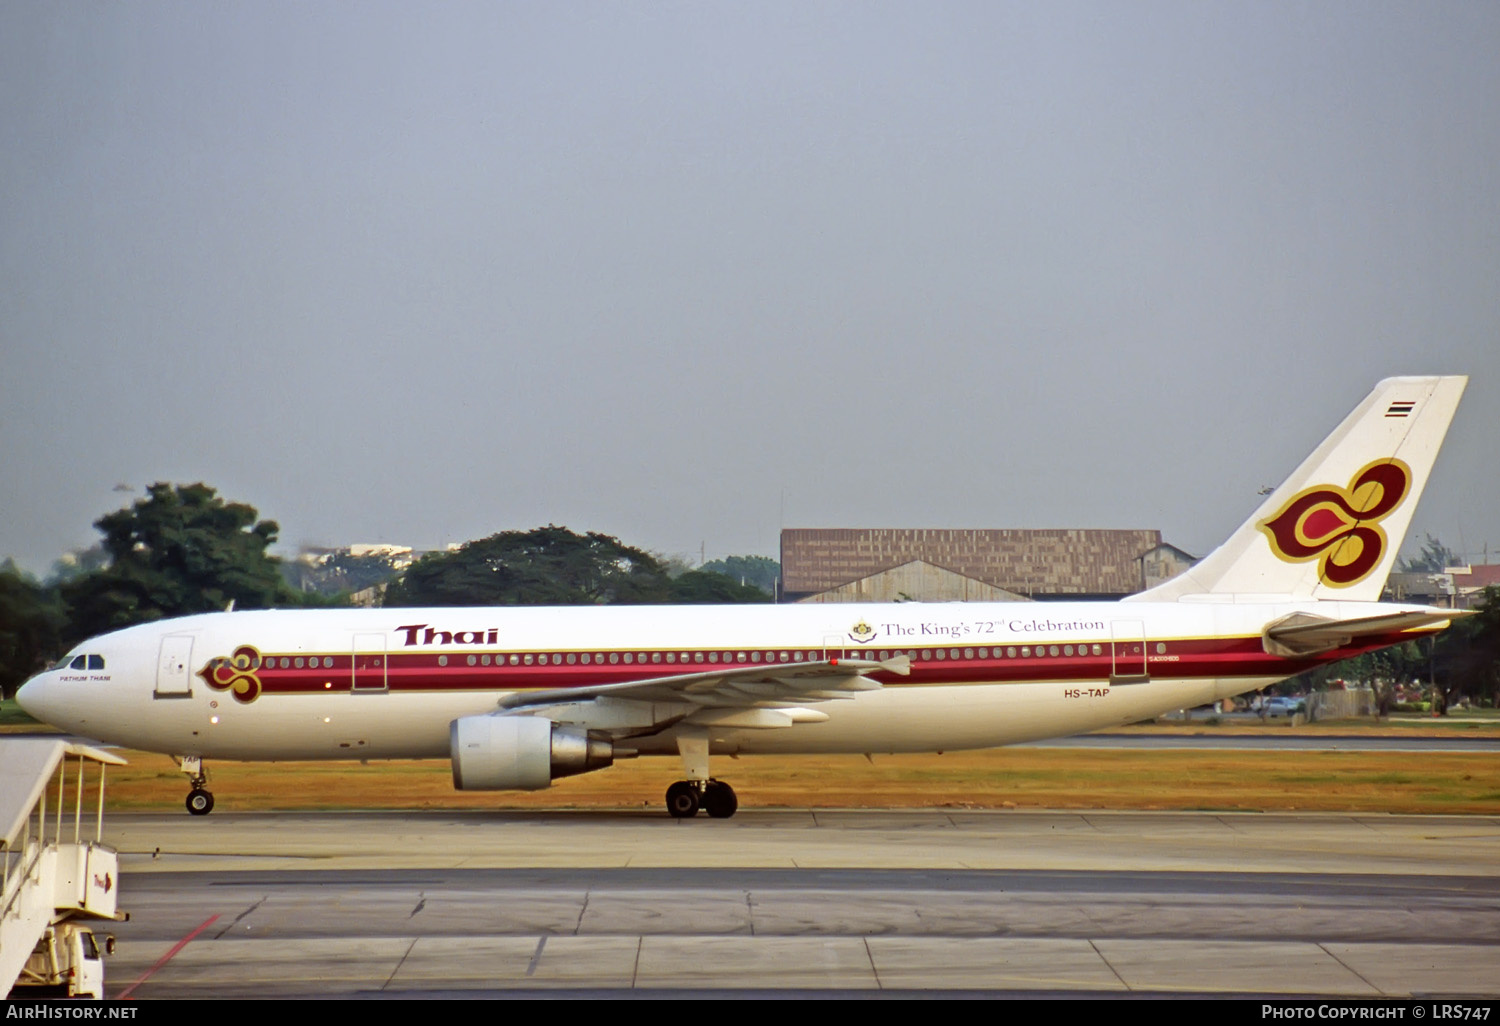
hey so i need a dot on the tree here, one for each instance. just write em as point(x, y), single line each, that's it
point(699, 587)
point(31, 624)
point(78, 563)
point(553, 566)
point(757, 571)
point(548, 566)
point(181, 549)
point(1466, 657)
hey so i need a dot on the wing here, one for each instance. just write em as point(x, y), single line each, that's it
point(764, 686)
point(765, 696)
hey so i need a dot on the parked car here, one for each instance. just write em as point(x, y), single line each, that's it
point(1281, 705)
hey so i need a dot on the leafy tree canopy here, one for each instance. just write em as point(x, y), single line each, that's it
point(552, 566)
point(757, 571)
point(181, 549)
point(699, 587)
point(1467, 655)
point(31, 622)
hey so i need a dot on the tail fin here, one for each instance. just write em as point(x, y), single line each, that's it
point(1332, 529)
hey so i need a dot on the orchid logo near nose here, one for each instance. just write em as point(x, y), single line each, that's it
point(235, 674)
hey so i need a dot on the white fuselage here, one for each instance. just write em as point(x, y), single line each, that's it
point(387, 683)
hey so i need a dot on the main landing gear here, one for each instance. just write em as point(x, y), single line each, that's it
point(200, 801)
point(714, 797)
point(699, 790)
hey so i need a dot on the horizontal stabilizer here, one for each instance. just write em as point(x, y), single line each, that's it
point(1304, 633)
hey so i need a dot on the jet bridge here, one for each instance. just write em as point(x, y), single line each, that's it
point(56, 872)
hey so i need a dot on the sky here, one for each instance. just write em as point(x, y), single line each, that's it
point(687, 273)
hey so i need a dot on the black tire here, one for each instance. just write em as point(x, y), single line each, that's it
point(200, 802)
point(720, 801)
point(682, 800)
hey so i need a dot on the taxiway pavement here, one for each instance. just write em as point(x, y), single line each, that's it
point(812, 901)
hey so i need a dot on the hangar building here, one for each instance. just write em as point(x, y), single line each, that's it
point(995, 565)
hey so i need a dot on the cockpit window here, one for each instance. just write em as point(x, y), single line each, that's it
point(85, 661)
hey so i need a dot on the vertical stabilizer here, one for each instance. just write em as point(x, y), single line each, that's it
point(1331, 531)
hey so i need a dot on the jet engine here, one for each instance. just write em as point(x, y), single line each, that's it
point(521, 753)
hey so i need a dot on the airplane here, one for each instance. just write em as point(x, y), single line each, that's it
point(517, 697)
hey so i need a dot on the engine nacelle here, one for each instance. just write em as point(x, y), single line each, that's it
point(521, 753)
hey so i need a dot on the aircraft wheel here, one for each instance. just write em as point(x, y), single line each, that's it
point(719, 800)
point(682, 799)
point(200, 802)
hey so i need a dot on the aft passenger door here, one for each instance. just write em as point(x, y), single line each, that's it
point(1129, 652)
point(370, 674)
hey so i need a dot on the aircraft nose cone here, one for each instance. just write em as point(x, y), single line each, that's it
point(31, 698)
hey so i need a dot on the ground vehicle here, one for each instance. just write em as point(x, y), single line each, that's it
point(1282, 705)
point(67, 962)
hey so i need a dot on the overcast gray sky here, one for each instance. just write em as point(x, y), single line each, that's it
point(689, 272)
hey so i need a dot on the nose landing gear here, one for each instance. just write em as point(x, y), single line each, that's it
point(200, 801)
